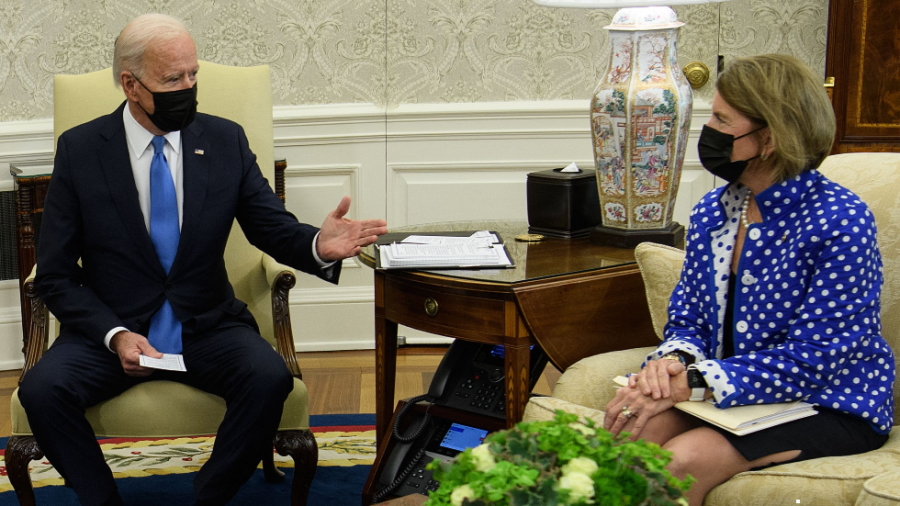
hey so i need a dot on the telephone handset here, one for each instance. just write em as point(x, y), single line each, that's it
point(469, 378)
point(454, 356)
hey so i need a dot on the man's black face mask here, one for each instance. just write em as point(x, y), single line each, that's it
point(172, 110)
point(715, 147)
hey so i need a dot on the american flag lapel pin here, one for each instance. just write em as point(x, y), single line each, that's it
point(198, 151)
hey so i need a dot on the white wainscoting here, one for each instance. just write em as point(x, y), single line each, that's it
point(418, 163)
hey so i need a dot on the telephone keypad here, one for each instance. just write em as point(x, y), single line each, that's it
point(487, 395)
point(419, 480)
point(481, 390)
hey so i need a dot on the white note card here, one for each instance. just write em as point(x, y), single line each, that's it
point(168, 362)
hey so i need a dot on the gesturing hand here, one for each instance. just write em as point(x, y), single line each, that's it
point(130, 346)
point(341, 238)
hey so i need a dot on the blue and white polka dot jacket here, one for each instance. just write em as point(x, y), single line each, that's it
point(806, 315)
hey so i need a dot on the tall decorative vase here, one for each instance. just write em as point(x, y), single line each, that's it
point(640, 120)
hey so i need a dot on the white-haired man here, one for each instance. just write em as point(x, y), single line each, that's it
point(145, 197)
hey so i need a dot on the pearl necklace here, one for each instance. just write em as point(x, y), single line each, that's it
point(744, 207)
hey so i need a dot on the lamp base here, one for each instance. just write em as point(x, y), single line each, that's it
point(673, 235)
point(562, 234)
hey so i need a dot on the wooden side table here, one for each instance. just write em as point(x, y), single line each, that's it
point(572, 297)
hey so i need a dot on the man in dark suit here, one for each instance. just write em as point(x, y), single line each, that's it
point(145, 199)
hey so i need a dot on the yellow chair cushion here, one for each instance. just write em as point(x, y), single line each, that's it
point(827, 481)
point(166, 409)
point(661, 268)
point(883, 490)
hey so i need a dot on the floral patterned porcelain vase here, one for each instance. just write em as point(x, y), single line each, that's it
point(640, 119)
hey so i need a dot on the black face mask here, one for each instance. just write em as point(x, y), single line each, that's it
point(172, 110)
point(715, 147)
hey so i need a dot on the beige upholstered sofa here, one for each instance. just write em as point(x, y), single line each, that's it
point(871, 479)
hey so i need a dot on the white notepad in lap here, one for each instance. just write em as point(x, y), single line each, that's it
point(742, 420)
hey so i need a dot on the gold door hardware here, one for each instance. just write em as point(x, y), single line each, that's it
point(697, 74)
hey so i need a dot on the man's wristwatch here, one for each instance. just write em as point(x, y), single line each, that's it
point(697, 384)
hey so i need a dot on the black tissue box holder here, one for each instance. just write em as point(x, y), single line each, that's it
point(562, 204)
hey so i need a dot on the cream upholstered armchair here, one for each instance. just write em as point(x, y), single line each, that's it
point(870, 479)
point(243, 95)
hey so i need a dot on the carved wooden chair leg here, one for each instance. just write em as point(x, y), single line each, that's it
point(272, 473)
point(301, 446)
point(20, 451)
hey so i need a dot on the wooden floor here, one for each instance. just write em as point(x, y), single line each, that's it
point(339, 382)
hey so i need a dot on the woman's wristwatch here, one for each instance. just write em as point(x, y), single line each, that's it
point(696, 383)
point(674, 356)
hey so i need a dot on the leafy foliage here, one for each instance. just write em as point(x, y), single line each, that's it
point(525, 464)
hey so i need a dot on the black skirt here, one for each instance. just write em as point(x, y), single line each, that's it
point(827, 434)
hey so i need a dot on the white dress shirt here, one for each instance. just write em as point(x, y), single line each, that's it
point(140, 153)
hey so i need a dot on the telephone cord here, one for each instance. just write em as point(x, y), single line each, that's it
point(425, 419)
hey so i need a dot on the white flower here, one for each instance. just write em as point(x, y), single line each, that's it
point(483, 458)
point(582, 428)
point(580, 486)
point(581, 465)
point(460, 493)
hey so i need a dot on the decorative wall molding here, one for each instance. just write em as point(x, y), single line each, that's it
point(395, 164)
point(335, 295)
point(10, 326)
point(10, 315)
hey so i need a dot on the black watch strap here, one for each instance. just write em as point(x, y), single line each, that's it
point(697, 384)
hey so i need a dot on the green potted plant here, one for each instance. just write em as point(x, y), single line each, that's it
point(557, 462)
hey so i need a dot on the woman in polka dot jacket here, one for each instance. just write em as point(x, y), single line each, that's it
point(779, 295)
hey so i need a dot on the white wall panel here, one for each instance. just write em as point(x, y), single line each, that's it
point(311, 192)
point(428, 193)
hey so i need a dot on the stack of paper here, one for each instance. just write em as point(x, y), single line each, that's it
point(743, 420)
point(436, 252)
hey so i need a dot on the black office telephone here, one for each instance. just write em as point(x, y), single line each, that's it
point(404, 471)
point(469, 378)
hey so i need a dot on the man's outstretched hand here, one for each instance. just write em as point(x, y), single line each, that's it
point(340, 238)
point(130, 346)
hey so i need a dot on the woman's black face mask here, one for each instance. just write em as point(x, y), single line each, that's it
point(172, 110)
point(715, 147)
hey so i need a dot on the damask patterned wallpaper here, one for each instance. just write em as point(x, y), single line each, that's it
point(387, 52)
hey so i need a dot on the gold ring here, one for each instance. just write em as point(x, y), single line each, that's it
point(626, 412)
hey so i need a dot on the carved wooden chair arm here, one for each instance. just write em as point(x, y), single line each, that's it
point(38, 333)
point(281, 279)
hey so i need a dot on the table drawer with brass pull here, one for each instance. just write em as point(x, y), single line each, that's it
point(430, 306)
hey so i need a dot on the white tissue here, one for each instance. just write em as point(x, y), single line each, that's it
point(571, 168)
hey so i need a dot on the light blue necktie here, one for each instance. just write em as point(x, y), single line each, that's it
point(165, 329)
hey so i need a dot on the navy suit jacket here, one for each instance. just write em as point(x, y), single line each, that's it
point(92, 213)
